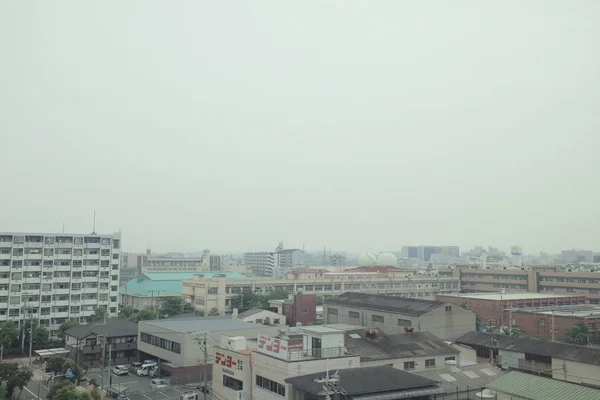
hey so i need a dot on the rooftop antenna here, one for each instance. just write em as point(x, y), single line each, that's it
point(94, 229)
point(63, 226)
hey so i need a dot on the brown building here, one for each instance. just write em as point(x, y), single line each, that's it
point(540, 279)
point(300, 308)
point(491, 307)
point(541, 322)
point(84, 342)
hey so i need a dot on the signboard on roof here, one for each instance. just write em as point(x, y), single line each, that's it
point(273, 346)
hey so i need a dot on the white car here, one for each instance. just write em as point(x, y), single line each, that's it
point(157, 383)
point(120, 370)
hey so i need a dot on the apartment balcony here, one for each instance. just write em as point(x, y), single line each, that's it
point(4, 292)
point(33, 304)
point(89, 302)
point(4, 268)
point(93, 245)
point(62, 267)
point(61, 291)
point(90, 279)
point(61, 303)
point(61, 314)
point(33, 268)
point(63, 245)
point(90, 290)
point(5, 280)
point(4, 256)
point(34, 256)
point(59, 256)
point(324, 353)
point(91, 267)
point(4, 304)
point(62, 279)
point(124, 346)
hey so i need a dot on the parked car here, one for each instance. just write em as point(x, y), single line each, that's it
point(133, 367)
point(145, 369)
point(157, 383)
point(120, 370)
point(154, 372)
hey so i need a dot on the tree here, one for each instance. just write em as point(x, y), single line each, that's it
point(7, 370)
point(39, 332)
point(125, 312)
point(95, 393)
point(276, 294)
point(213, 312)
point(68, 392)
point(246, 299)
point(98, 315)
point(144, 315)
point(64, 327)
point(175, 305)
point(578, 333)
point(18, 380)
point(55, 365)
point(320, 300)
point(9, 334)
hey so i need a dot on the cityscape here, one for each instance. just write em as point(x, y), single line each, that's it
point(299, 200)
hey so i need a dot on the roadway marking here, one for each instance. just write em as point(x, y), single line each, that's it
point(164, 395)
point(143, 394)
point(178, 391)
point(34, 395)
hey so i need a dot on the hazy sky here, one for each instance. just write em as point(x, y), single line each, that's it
point(348, 124)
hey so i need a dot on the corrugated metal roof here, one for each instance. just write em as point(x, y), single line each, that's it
point(534, 387)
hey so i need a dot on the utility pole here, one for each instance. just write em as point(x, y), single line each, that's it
point(102, 346)
point(30, 338)
point(200, 339)
point(158, 305)
point(553, 325)
point(109, 365)
point(510, 320)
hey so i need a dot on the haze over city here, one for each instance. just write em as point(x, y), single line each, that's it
point(351, 125)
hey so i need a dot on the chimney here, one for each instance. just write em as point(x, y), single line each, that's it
point(234, 313)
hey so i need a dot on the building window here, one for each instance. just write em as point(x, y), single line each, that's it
point(409, 365)
point(404, 322)
point(541, 322)
point(430, 363)
point(232, 383)
point(276, 321)
point(448, 308)
point(353, 314)
point(213, 290)
point(270, 385)
point(259, 321)
point(160, 342)
point(304, 310)
point(332, 311)
point(450, 358)
point(377, 318)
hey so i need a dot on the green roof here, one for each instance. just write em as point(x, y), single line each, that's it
point(153, 283)
point(533, 387)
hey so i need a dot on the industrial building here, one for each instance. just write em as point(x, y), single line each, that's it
point(576, 364)
point(217, 290)
point(494, 309)
point(56, 277)
point(274, 263)
point(542, 279)
point(393, 314)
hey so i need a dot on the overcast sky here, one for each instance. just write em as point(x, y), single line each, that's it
point(348, 124)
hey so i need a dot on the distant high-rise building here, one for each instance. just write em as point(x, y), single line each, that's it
point(577, 255)
point(274, 263)
point(452, 251)
point(337, 260)
point(516, 253)
point(409, 252)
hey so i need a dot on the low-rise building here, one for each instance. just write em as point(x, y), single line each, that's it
point(178, 344)
point(464, 381)
point(84, 342)
point(493, 308)
point(149, 289)
point(298, 309)
point(260, 316)
point(518, 385)
point(393, 314)
point(364, 383)
point(419, 351)
point(207, 291)
point(576, 364)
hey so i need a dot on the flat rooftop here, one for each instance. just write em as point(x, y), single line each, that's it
point(512, 296)
point(320, 329)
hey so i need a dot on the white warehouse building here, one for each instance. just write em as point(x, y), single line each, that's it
point(58, 277)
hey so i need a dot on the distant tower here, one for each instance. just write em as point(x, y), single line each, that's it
point(516, 253)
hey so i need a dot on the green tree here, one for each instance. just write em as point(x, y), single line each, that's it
point(98, 315)
point(19, 380)
point(578, 333)
point(9, 334)
point(67, 392)
point(320, 300)
point(125, 312)
point(276, 294)
point(175, 305)
point(39, 332)
point(96, 393)
point(144, 315)
point(213, 312)
point(55, 365)
point(64, 327)
point(6, 371)
point(246, 299)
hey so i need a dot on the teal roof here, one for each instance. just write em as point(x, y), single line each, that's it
point(151, 283)
point(534, 387)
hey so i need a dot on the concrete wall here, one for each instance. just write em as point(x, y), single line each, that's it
point(466, 353)
point(266, 314)
point(448, 325)
point(575, 372)
point(278, 370)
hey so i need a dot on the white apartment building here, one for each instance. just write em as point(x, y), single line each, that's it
point(274, 263)
point(217, 290)
point(58, 277)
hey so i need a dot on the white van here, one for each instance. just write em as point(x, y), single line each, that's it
point(145, 369)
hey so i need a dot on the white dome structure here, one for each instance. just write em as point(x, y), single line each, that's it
point(387, 260)
point(367, 259)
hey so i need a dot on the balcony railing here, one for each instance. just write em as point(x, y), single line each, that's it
point(311, 354)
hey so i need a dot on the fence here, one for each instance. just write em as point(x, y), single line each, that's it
point(468, 394)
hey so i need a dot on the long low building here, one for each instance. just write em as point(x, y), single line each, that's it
point(207, 291)
point(393, 314)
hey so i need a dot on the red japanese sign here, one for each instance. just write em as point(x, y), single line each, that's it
point(271, 345)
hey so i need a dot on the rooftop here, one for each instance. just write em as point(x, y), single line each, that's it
point(208, 324)
point(114, 327)
point(383, 346)
point(401, 305)
point(453, 378)
point(167, 283)
point(511, 296)
point(533, 387)
point(366, 380)
point(320, 329)
point(253, 311)
point(582, 354)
